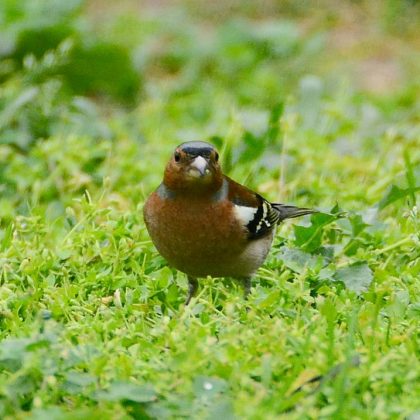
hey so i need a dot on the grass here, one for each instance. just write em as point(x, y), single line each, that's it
point(92, 320)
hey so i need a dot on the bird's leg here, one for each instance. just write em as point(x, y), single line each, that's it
point(192, 288)
point(247, 286)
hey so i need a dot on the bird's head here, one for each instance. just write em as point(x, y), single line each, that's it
point(194, 167)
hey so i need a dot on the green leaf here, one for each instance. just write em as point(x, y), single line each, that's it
point(327, 273)
point(126, 391)
point(76, 381)
point(298, 260)
point(12, 353)
point(396, 193)
point(24, 383)
point(10, 111)
point(398, 304)
point(64, 254)
point(52, 413)
point(6, 235)
point(221, 409)
point(411, 179)
point(310, 237)
point(357, 224)
point(356, 277)
point(207, 386)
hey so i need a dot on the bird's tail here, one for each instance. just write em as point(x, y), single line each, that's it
point(289, 212)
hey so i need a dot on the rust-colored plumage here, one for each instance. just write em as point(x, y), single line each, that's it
point(203, 223)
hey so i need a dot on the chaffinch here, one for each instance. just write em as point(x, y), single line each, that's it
point(204, 223)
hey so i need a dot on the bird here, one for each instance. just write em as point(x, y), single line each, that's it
point(206, 224)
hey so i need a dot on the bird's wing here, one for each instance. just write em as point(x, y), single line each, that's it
point(258, 215)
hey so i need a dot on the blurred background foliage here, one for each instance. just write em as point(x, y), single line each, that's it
point(68, 68)
point(309, 102)
point(30, 30)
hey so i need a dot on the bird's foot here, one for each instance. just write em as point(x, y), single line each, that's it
point(192, 289)
point(247, 286)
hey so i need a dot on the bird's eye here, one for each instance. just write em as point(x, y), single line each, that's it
point(216, 157)
point(177, 156)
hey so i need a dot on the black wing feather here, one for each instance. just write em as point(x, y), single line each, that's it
point(268, 215)
point(264, 221)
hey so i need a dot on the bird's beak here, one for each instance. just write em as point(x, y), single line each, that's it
point(199, 167)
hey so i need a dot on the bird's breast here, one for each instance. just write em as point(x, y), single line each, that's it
point(202, 238)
